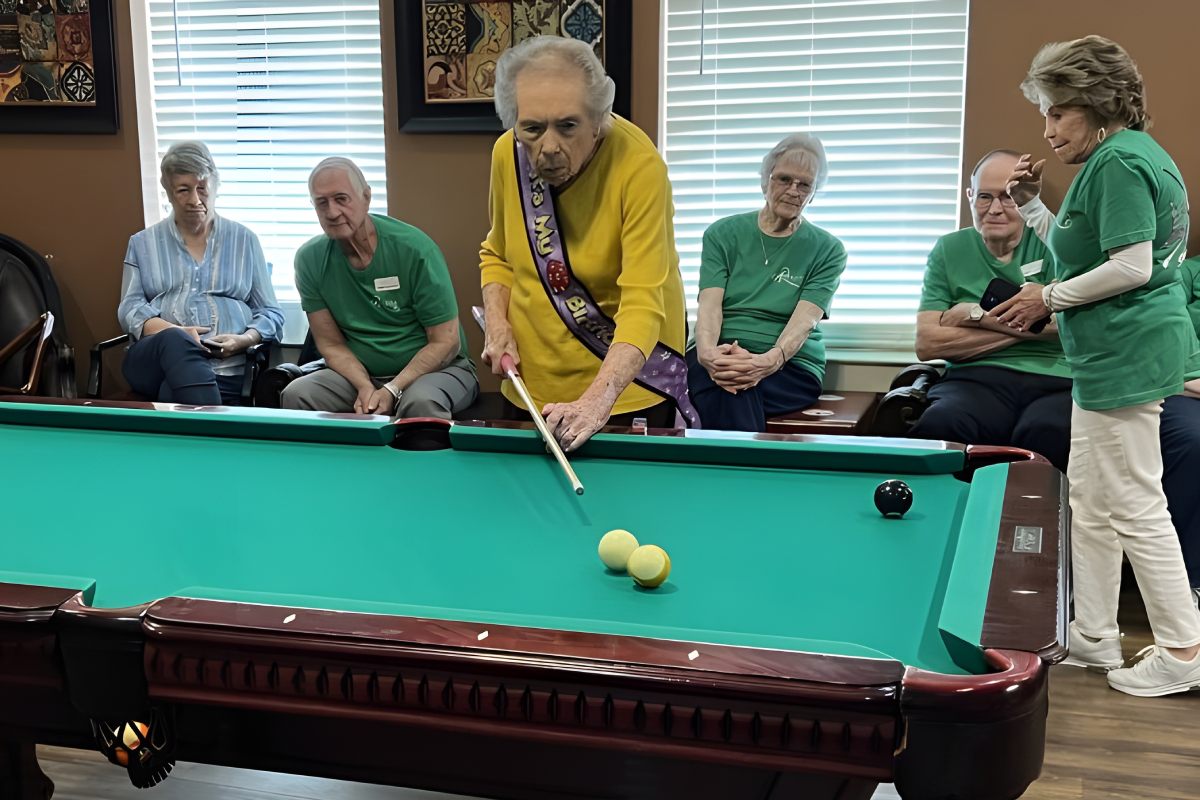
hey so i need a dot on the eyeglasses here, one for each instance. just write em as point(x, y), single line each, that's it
point(786, 182)
point(985, 199)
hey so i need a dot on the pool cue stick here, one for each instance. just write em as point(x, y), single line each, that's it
point(510, 371)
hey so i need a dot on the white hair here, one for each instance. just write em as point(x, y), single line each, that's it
point(600, 88)
point(188, 158)
point(357, 179)
point(797, 143)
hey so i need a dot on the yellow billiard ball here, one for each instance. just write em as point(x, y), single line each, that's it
point(130, 738)
point(649, 565)
point(616, 547)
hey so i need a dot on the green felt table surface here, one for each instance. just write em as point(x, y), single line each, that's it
point(777, 556)
point(215, 421)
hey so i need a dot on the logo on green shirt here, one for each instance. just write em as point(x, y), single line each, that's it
point(385, 303)
point(785, 276)
point(1177, 240)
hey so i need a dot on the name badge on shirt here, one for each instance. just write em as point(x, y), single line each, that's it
point(1032, 268)
point(392, 283)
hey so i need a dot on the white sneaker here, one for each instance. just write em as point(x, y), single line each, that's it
point(1101, 654)
point(1157, 674)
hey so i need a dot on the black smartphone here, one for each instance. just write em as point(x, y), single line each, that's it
point(214, 349)
point(1000, 290)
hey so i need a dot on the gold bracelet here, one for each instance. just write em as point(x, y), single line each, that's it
point(1048, 299)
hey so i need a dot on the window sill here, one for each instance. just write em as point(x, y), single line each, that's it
point(886, 358)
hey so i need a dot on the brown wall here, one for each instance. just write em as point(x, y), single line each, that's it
point(1004, 37)
point(79, 199)
point(88, 202)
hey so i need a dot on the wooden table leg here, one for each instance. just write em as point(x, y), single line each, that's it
point(21, 777)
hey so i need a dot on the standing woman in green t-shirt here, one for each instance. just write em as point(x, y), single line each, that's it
point(766, 279)
point(1118, 240)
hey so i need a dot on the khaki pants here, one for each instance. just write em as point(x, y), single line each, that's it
point(438, 394)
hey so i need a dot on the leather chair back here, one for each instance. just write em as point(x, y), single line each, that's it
point(27, 290)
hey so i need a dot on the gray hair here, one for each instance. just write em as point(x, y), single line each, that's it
point(188, 158)
point(1092, 72)
point(797, 143)
point(570, 52)
point(357, 179)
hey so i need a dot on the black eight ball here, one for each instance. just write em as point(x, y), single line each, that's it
point(893, 498)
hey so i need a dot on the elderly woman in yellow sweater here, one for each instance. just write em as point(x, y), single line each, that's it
point(581, 282)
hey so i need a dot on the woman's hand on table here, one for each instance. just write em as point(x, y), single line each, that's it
point(572, 424)
point(1025, 182)
point(1022, 309)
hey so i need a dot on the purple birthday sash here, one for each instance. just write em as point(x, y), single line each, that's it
point(665, 371)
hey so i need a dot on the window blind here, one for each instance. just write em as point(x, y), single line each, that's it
point(880, 82)
point(271, 88)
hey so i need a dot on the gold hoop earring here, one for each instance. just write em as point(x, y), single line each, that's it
point(1101, 135)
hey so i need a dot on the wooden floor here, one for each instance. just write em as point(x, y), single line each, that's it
point(80, 775)
point(1102, 745)
point(1105, 745)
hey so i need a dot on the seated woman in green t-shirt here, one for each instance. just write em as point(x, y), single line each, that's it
point(766, 279)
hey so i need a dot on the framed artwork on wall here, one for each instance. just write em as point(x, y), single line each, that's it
point(57, 68)
point(446, 54)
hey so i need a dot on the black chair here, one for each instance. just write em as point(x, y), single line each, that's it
point(275, 380)
point(258, 358)
point(32, 362)
point(906, 399)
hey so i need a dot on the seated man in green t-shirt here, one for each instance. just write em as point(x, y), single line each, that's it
point(1002, 386)
point(381, 309)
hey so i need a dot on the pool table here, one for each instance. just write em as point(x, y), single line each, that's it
point(421, 604)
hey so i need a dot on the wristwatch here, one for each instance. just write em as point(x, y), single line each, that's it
point(976, 312)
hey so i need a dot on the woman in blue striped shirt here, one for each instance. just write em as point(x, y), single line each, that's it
point(195, 292)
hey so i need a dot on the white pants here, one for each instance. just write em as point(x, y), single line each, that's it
point(1117, 504)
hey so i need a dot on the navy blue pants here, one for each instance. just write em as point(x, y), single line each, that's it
point(790, 389)
point(171, 367)
point(1179, 431)
point(993, 405)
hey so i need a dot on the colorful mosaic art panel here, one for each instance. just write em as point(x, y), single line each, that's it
point(463, 40)
point(46, 52)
